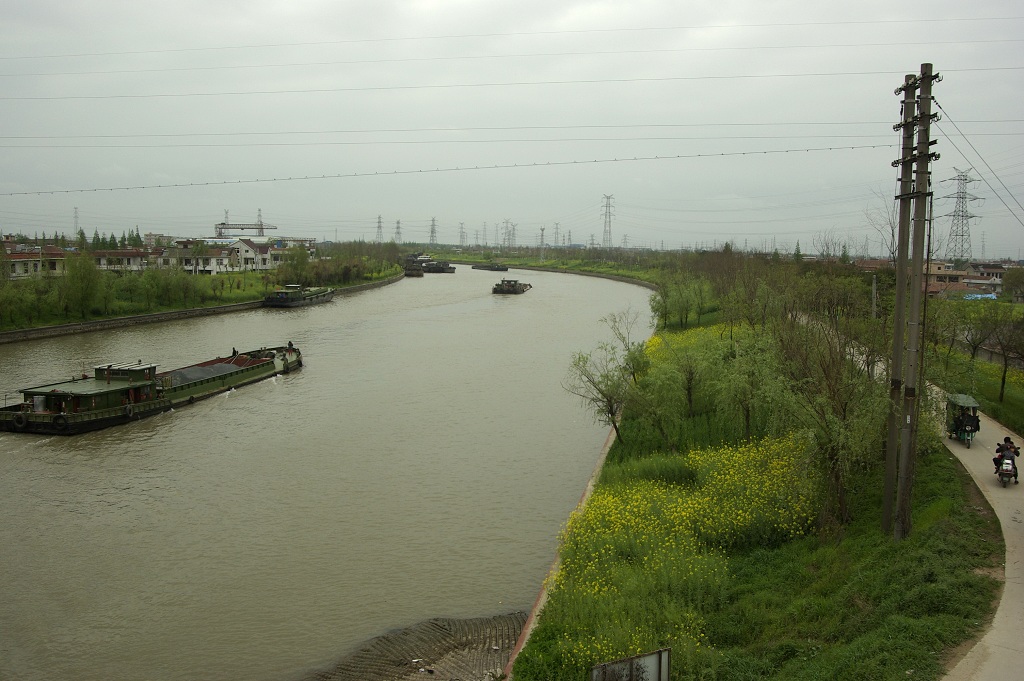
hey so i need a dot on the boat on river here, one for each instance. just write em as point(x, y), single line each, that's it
point(294, 295)
point(438, 267)
point(491, 267)
point(119, 393)
point(511, 286)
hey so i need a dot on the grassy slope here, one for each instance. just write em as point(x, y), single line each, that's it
point(856, 605)
point(850, 604)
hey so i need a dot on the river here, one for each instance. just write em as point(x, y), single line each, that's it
point(420, 465)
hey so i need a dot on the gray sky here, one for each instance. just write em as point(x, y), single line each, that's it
point(387, 98)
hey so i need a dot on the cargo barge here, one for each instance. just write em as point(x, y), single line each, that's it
point(119, 393)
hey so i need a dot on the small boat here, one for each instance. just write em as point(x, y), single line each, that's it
point(119, 393)
point(294, 295)
point(511, 286)
point(413, 269)
point(491, 267)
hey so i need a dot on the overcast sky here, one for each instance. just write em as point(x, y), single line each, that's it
point(475, 112)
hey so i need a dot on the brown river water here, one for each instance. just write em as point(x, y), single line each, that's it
point(421, 465)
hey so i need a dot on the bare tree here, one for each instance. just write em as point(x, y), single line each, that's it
point(883, 216)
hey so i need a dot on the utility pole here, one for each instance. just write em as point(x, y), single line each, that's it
point(606, 241)
point(905, 197)
point(921, 195)
point(542, 244)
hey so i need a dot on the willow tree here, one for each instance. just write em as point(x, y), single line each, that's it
point(81, 283)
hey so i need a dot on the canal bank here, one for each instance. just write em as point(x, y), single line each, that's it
point(156, 317)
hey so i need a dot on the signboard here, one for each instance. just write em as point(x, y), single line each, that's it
point(648, 667)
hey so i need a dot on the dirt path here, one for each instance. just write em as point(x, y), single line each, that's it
point(443, 649)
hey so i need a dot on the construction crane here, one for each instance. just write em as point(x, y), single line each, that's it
point(222, 228)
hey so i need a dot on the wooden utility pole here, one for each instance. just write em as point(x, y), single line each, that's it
point(905, 197)
point(922, 195)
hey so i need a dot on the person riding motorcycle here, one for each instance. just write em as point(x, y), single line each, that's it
point(1007, 450)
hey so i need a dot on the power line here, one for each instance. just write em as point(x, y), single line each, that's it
point(476, 129)
point(511, 55)
point(994, 174)
point(355, 41)
point(443, 170)
point(447, 86)
point(327, 143)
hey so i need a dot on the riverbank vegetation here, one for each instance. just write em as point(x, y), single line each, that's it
point(85, 292)
point(737, 518)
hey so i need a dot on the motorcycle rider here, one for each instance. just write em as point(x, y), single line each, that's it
point(1007, 450)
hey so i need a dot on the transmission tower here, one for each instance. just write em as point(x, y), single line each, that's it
point(398, 231)
point(606, 242)
point(380, 231)
point(462, 234)
point(433, 231)
point(958, 247)
point(554, 239)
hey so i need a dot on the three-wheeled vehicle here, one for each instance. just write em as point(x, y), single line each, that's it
point(962, 421)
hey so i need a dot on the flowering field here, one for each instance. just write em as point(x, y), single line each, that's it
point(643, 561)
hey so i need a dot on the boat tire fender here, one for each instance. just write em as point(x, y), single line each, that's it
point(300, 361)
point(191, 399)
point(60, 422)
point(287, 367)
point(20, 421)
point(129, 410)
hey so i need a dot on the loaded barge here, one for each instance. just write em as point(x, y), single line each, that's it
point(118, 393)
point(513, 286)
point(294, 295)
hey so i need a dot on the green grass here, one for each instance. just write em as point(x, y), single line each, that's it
point(846, 604)
point(858, 605)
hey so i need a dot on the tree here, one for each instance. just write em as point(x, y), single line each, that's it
point(700, 291)
point(97, 241)
point(884, 218)
point(199, 251)
point(606, 379)
point(1013, 283)
point(682, 298)
point(980, 320)
point(599, 380)
point(831, 391)
point(82, 283)
point(1007, 333)
point(659, 300)
point(295, 269)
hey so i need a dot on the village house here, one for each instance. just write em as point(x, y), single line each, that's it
point(986, 276)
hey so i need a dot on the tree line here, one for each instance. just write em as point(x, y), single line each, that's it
point(84, 291)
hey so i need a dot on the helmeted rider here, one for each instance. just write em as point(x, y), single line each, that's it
point(1007, 450)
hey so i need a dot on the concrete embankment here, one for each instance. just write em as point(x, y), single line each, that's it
point(133, 320)
point(439, 648)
